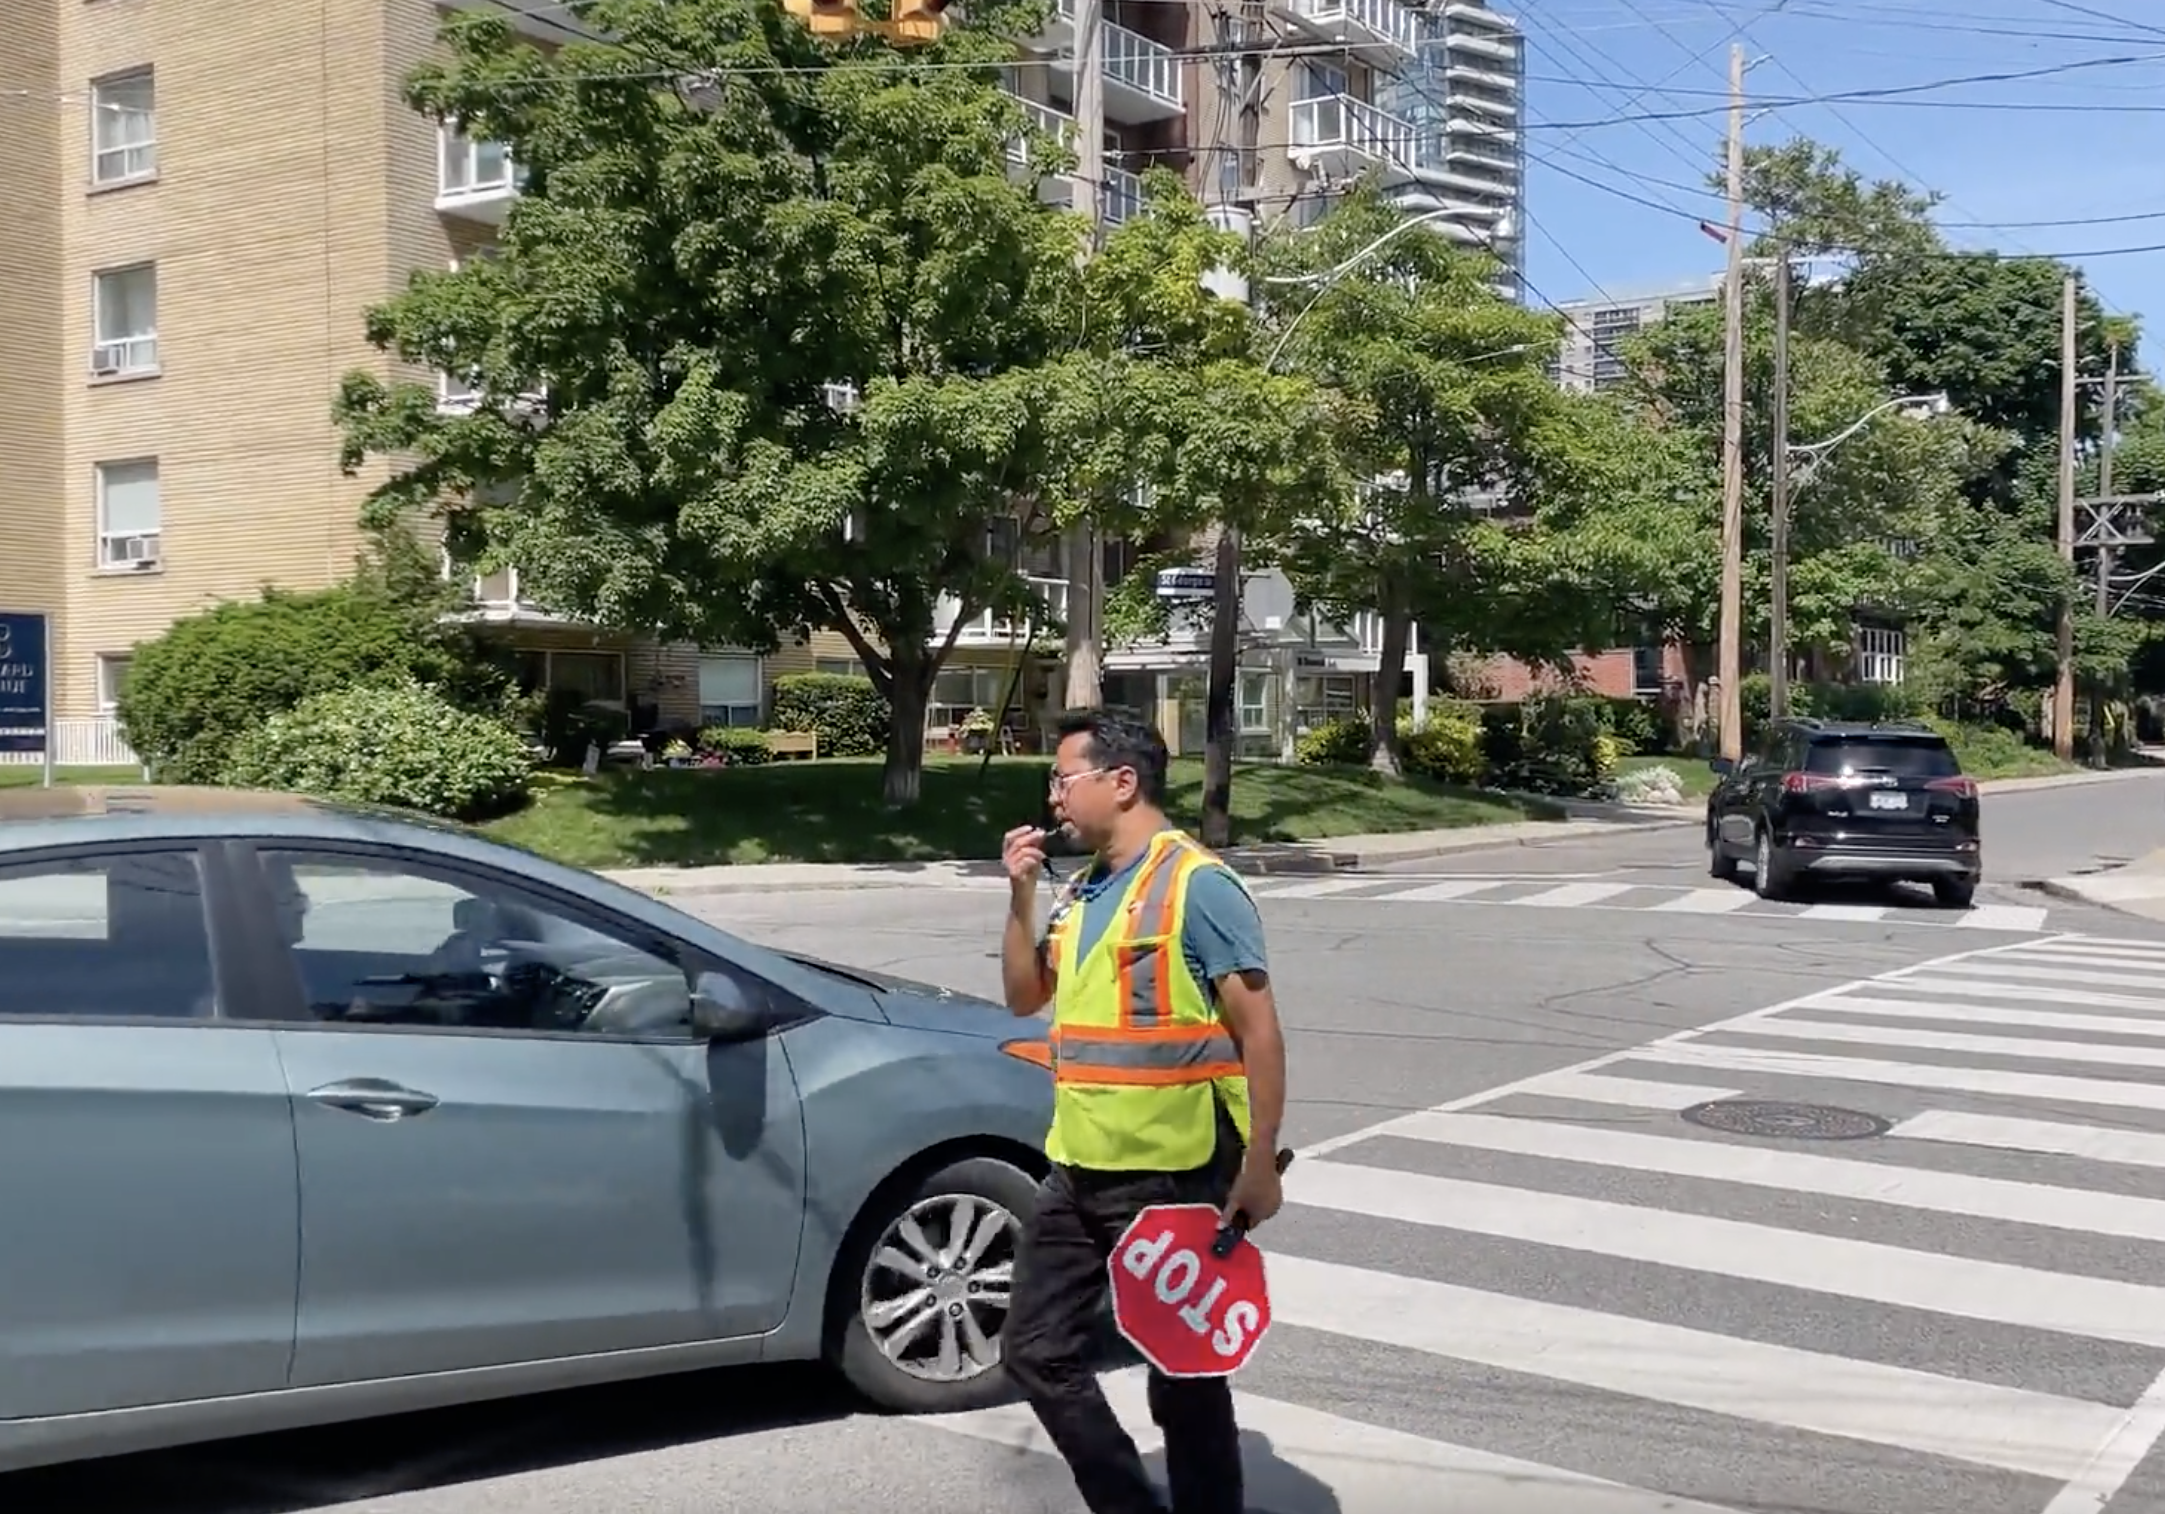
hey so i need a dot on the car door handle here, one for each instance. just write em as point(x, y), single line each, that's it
point(374, 1098)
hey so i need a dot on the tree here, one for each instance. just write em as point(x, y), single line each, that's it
point(784, 332)
point(1173, 426)
point(1442, 409)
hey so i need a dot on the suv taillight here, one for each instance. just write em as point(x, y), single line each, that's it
point(1798, 783)
point(1961, 788)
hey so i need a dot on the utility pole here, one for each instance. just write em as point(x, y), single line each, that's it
point(2063, 687)
point(1730, 653)
point(2106, 437)
point(1778, 573)
point(1085, 559)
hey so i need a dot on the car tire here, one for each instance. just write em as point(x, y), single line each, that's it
point(1954, 893)
point(872, 1301)
point(1719, 864)
point(1770, 873)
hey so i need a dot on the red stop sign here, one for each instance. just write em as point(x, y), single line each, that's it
point(1187, 1312)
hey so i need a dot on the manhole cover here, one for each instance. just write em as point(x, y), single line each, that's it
point(1792, 1122)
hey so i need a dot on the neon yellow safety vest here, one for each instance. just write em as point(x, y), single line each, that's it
point(1140, 1056)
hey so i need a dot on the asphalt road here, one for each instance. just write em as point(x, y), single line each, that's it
point(1937, 1295)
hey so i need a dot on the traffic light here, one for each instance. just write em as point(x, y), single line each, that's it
point(827, 18)
point(917, 20)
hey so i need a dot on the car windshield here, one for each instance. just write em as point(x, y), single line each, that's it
point(1903, 756)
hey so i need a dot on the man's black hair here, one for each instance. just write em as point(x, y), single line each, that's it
point(1120, 740)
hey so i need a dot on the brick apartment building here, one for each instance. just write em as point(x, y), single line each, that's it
point(204, 198)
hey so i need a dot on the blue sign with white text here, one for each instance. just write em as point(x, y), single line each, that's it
point(24, 670)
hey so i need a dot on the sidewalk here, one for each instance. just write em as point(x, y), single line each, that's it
point(1585, 818)
point(2136, 889)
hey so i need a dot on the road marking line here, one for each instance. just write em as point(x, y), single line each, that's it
point(1966, 990)
point(2026, 1047)
point(1677, 1040)
point(2017, 917)
point(1455, 888)
point(1709, 901)
point(1982, 1423)
point(1367, 1469)
point(1843, 912)
point(2114, 959)
point(2054, 973)
point(1995, 1292)
point(1983, 1014)
point(2056, 1087)
point(2078, 942)
point(1317, 888)
point(1800, 1172)
point(2094, 1143)
point(1573, 894)
point(1633, 1093)
point(2129, 1445)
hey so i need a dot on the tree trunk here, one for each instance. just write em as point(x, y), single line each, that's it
point(902, 777)
point(1085, 608)
point(1383, 753)
point(1223, 724)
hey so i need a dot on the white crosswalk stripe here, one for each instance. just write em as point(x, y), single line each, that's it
point(1933, 1294)
point(1578, 891)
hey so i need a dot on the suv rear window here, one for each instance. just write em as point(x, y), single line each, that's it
point(1904, 756)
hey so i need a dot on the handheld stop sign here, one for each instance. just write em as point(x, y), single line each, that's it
point(1189, 1293)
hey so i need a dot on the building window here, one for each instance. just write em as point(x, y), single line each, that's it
point(1880, 650)
point(838, 667)
point(596, 677)
point(730, 689)
point(1255, 701)
point(129, 513)
point(124, 321)
point(112, 679)
point(1646, 671)
point(123, 128)
point(958, 691)
point(466, 167)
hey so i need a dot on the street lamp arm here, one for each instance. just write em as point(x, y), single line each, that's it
point(1812, 452)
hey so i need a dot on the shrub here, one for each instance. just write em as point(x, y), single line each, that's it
point(387, 744)
point(845, 711)
point(737, 745)
point(1636, 724)
point(1344, 739)
point(1653, 785)
point(214, 676)
point(1549, 745)
point(1445, 748)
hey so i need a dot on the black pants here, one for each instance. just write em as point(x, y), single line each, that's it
point(1053, 1324)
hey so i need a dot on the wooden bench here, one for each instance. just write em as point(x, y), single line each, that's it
point(793, 743)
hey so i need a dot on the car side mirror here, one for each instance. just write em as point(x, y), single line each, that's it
point(1722, 767)
point(723, 1011)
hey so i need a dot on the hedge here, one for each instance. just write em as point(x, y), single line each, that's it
point(402, 745)
point(845, 712)
point(1562, 745)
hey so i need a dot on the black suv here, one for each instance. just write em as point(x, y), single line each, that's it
point(1836, 799)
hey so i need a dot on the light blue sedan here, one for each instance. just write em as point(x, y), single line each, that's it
point(310, 1113)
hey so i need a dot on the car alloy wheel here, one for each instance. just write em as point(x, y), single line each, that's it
point(936, 1287)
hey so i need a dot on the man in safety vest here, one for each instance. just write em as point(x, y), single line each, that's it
point(1169, 1087)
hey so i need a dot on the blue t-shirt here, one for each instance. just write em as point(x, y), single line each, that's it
point(1221, 934)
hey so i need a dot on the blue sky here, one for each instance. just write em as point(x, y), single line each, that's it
point(2015, 179)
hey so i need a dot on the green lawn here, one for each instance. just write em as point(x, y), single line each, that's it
point(27, 775)
point(830, 811)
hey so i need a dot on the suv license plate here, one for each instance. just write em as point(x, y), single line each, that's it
point(1884, 801)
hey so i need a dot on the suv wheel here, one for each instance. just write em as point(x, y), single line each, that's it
point(1719, 863)
point(1770, 873)
point(1954, 893)
point(923, 1294)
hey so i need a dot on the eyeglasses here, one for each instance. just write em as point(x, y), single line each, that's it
point(1060, 783)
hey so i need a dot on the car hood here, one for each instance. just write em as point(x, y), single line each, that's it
point(927, 1006)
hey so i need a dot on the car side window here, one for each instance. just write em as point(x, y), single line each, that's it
point(383, 942)
point(125, 935)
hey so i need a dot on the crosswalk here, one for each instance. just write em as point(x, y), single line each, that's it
point(1898, 1244)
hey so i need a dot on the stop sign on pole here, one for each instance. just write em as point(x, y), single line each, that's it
point(1189, 1313)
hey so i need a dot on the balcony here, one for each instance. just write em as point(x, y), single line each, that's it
point(459, 396)
point(1343, 137)
point(499, 601)
point(1464, 42)
point(988, 628)
point(1381, 33)
point(1058, 189)
point(1142, 77)
point(475, 181)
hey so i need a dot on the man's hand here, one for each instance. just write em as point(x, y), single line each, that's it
point(1022, 853)
point(1258, 1191)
